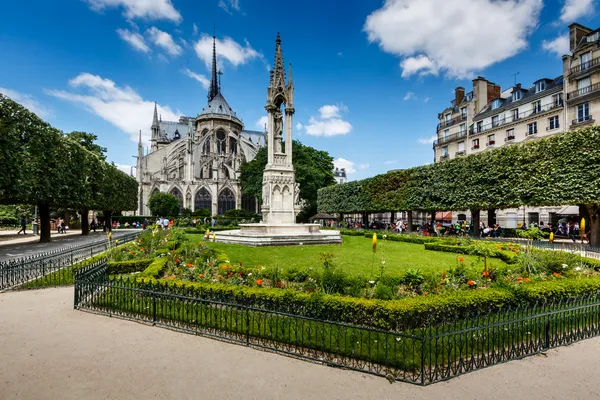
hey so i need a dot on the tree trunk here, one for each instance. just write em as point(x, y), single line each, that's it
point(432, 217)
point(409, 223)
point(491, 217)
point(591, 213)
point(365, 220)
point(108, 221)
point(476, 218)
point(85, 223)
point(44, 228)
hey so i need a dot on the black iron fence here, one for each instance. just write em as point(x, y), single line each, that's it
point(420, 355)
point(51, 268)
point(583, 249)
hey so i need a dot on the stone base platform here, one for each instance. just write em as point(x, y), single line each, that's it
point(279, 235)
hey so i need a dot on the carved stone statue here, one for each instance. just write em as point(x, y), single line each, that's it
point(277, 131)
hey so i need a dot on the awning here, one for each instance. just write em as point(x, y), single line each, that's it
point(443, 216)
point(322, 216)
point(569, 210)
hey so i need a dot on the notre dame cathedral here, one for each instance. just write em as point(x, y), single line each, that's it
point(198, 159)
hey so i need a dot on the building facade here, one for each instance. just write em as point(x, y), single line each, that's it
point(518, 114)
point(198, 158)
point(340, 175)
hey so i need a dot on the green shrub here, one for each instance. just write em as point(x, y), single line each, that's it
point(127, 267)
point(155, 268)
point(332, 279)
point(295, 274)
point(413, 278)
point(383, 292)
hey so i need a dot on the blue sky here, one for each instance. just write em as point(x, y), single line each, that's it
point(370, 76)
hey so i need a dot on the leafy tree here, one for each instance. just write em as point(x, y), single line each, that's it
point(87, 141)
point(314, 170)
point(163, 204)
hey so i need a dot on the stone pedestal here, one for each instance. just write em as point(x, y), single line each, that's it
point(279, 235)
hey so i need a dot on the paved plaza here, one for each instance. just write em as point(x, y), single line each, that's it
point(12, 246)
point(51, 351)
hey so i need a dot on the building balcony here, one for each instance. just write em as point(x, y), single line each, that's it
point(475, 147)
point(450, 122)
point(460, 153)
point(444, 156)
point(585, 68)
point(450, 138)
point(474, 130)
point(587, 120)
point(584, 93)
point(509, 138)
point(490, 143)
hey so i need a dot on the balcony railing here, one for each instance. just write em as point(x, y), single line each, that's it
point(490, 143)
point(585, 66)
point(475, 147)
point(444, 156)
point(450, 138)
point(583, 120)
point(460, 153)
point(509, 138)
point(452, 121)
point(510, 119)
point(583, 91)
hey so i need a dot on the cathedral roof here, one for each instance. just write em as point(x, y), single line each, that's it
point(218, 105)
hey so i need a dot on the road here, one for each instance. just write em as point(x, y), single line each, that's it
point(50, 351)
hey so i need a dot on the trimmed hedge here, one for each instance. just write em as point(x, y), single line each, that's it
point(155, 268)
point(127, 267)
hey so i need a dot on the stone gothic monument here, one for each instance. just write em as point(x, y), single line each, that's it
point(280, 192)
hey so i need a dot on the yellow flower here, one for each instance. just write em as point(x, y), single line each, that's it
point(374, 243)
point(582, 226)
point(109, 235)
point(117, 242)
point(551, 238)
point(214, 237)
point(207, 234)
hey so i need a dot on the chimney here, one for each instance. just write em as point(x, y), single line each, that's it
point(576, 32)
point(518, 86)
point(459, 95)
point(336, 168)
point(493, 92)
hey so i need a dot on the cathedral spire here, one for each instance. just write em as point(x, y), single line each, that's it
point(155, 117)
point(278, 75)
point(214, 83)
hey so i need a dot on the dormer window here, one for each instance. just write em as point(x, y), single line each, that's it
point(516, 95)
point(495, 104)
point(592, 38)
point(540, 86)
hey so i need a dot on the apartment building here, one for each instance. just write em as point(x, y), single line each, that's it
point(581, 70)
point(452, 130)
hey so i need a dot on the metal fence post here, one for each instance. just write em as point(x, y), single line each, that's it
point(247, 327)
point(153, 309)
point(76, 295)
point(423, 358)
point(547, 333)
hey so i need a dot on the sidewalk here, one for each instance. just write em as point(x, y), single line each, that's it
point(15, 246)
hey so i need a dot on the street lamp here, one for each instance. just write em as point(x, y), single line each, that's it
point(35, 221)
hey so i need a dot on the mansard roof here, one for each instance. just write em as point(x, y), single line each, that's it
point(219, 106)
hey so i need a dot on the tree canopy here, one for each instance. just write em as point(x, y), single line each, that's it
point(163, 204)
point(314, 170)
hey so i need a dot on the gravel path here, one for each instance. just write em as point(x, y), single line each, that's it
point(50, 351)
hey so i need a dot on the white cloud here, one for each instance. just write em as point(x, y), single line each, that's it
point(134, 39)
point(428, 140)
point(299, 126)
point(420, 64)
point(363, 166)
point(559, 45)
point(350, 166)
point(121, 106)
point(390, 162)
point(575, 9)
point(409, 95)
point(195, 30)
point(125, 168)
point(27, 101)
point(227, 49)
point(164, 40)
point(340, 53)
point(445, 39)
point(199, 77)
point(228, 5)
point(426, 100)
point(329, 123)
point(146, 9)
point(262, 122)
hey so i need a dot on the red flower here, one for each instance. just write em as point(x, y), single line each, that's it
point(279, 284)
point(461, 259)
point(557, 275)
point(519, 279)
point(470, 282)
point(526, 280)
point(201, 275)
point(132, 252)
point(425, 293)
point(485, 273)
point(259, 282)
point(178, 260)
point(191, 265)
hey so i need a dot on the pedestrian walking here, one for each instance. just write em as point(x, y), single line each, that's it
point(23, 225)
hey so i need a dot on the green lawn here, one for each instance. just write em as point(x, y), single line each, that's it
point(353, 256)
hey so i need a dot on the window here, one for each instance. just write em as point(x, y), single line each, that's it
point(447, 118)
point(592, 38)
point(515, 114)
point(510, 134)
point(553, 123)
point(446, 134)
point(463, 112)
point(463, 129)
point(540, 86)
point(491, 140)
point(495, 104)
point(583, 112)
point(537, 106)
point(495, 121)
point(475, 143)
point(221, 142)
point(516, 95)
point(532, 128)
point(585, 60)
point(445, 152)
point(461, 147)
point(479, 126)
point(557, 99)
point(583, 85)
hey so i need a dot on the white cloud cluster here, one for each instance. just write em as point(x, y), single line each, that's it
point(409, 95)
point(121, 106)
point(203, 79)
point(228, 5)
point(350, 166)
point(134, 39)
point(145, 9)
point(575, 9)
point(164, 40)
point(558, 46)
point(27, 101)
point(227, 49)
point(428, 140)
point(126, 168)
point(262, 122)
point(329, 122)
point(456, 37)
